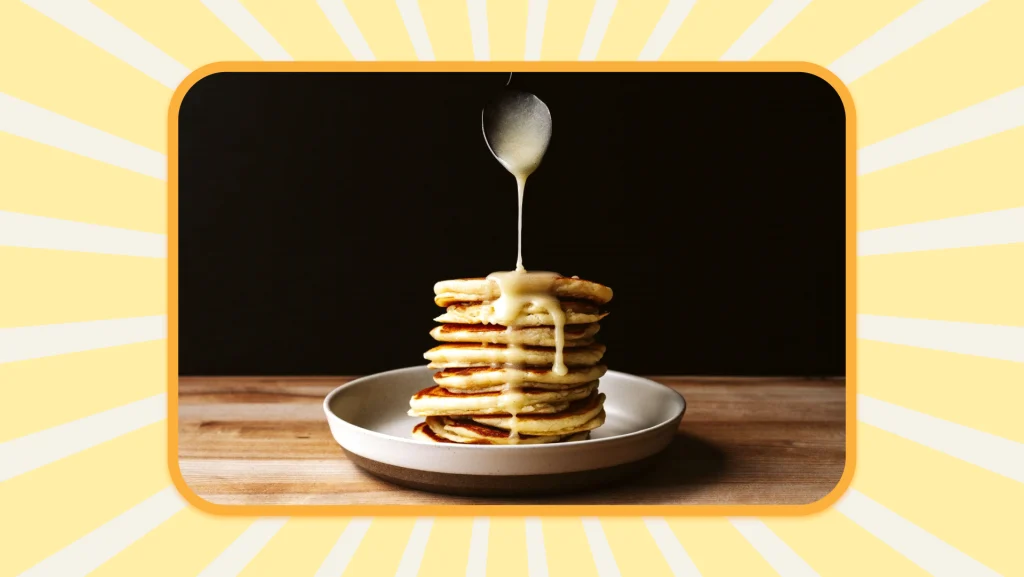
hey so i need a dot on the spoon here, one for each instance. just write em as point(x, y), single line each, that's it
point(517, 130)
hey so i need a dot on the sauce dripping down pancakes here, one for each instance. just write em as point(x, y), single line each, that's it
point(498, 379)
point(526, 380)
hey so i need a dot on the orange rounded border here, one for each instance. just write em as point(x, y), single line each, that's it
point(511, 510)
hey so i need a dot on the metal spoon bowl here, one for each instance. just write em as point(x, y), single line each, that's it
point(517, 130)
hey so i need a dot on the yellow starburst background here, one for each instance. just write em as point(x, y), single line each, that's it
point(84, 93)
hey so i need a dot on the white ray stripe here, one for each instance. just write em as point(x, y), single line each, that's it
point(98, 27)
point(344, 548)
point(991, 341)
point(476, 566)
point(478, 29)
point(35, 450)
point(992, 116)
point(599, 548)
point(536, 16)
point(412, 556)
point(784, 560)
point(536, 554)
point(233, 560)
point(101, 544)
point(774, 18)
point(983, 229)
point(599, 19)
point(417, 29)
point(23, 343)
point(985, 450)
point(248, 28)
point(675, 554)
point(665, 30)
point(34, 123)
point(919, 22)
point(926, 550)
point(29, 231)
point(340, 18)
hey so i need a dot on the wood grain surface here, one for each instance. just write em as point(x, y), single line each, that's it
point(262, 440)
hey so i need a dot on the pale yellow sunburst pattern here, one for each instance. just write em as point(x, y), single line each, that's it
point(84, 94)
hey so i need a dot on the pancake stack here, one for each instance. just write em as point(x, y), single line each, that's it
point(497, 383)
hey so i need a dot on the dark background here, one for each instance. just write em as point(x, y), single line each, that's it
point(317, 211)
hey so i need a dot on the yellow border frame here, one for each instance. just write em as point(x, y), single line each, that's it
point(511, 510)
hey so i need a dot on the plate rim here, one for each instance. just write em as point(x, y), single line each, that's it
point(678, 415)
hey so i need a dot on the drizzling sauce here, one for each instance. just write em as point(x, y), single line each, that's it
point(517, 129)
point(512, 400)
point(519, 289)
point(518, 136)
point(521, 185)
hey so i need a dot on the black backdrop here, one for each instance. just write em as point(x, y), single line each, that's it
point(317, 210)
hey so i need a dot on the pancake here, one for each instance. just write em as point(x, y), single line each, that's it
point(423, 432)
point(575, 335)
point(459, 428)
point(477, 434)
point(479, 379)
point(436, 401)
point(576, 313)
point(481, 289)
point(495, 382)
point(581, 415)
point(471, 354)
point(450, 430)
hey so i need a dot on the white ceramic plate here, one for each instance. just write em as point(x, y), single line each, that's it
point(368, 417)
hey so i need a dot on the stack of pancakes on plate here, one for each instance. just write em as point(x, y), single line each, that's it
point(496, 384)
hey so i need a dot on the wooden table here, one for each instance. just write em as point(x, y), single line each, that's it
point(259, 440)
